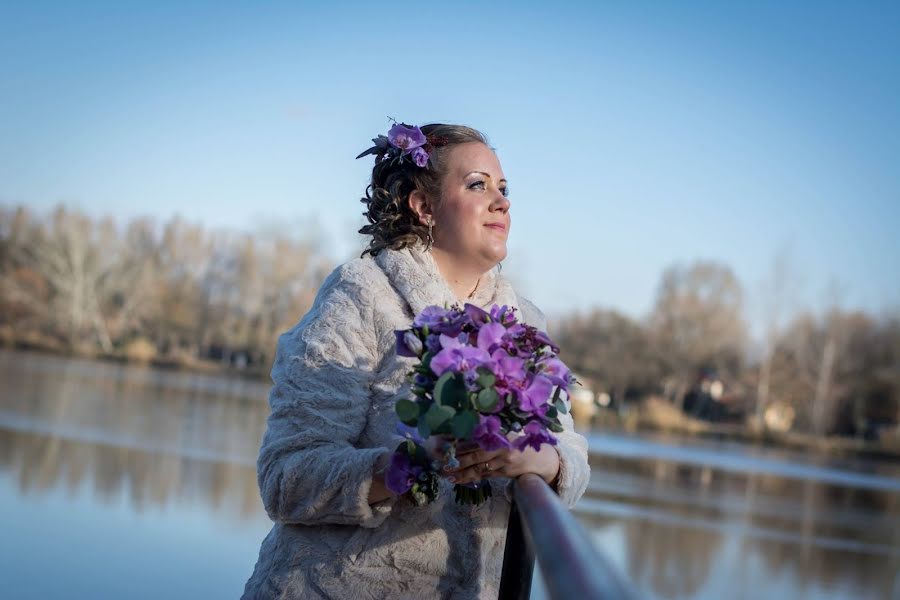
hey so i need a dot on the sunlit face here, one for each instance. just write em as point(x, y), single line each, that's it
point(472, 221)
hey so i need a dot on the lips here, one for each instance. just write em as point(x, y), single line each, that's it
point(497, 226)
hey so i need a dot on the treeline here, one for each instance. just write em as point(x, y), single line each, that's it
point(174, 293)
point(168, 293)
point(837, 373)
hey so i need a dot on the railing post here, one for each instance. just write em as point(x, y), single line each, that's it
point(540, 525)
point(518, 560)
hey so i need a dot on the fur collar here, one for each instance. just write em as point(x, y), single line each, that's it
point(414, 273)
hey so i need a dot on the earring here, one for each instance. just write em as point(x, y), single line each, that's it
point(429, 240)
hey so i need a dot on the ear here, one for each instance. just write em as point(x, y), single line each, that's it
point(419, 204)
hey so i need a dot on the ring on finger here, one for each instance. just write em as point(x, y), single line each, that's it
point(487, 467)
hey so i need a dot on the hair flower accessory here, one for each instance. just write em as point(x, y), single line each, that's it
point(403, 141)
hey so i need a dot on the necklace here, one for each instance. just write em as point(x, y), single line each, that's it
point(472, 295)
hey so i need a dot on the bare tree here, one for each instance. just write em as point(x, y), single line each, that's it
point(777, 302)
point(610, 349)
point(697, 322)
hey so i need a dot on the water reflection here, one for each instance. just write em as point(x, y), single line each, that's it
point(156, 436)
point(694, 532)
point(176, 452)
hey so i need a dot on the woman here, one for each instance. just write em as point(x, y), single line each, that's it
point(439, 218)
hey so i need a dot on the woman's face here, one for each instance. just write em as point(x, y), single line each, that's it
point(472, 221)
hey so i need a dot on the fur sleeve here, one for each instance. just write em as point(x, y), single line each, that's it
point(574, 470)
point(309, 469)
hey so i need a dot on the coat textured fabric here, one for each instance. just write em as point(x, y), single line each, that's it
point(336, 378)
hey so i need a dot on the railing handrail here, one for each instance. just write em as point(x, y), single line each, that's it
point(540, 525)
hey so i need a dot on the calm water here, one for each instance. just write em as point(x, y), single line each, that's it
point(117, 481)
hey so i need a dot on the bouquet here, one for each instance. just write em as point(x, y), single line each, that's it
point(482, 379)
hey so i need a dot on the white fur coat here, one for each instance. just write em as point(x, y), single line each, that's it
point(336, 378)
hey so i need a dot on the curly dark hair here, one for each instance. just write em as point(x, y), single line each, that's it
point(392, 223)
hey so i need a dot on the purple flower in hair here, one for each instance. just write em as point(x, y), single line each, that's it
point(406, 138)
point(534, 435)
point(420, 156)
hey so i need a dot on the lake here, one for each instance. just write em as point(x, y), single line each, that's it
point(122, 481)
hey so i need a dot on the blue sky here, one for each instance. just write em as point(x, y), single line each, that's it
point(633, 136)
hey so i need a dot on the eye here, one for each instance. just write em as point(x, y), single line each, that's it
point(472, 185)
point(505, 191)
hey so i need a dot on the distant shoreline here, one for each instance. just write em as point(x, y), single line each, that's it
point(168, 363)
point(651, 415)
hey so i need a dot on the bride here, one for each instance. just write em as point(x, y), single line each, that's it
point(438, 213)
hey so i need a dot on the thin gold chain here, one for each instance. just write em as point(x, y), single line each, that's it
point(472, 295)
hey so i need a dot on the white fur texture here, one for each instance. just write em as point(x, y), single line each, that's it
point(336, 378)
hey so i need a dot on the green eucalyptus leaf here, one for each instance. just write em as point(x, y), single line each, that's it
point(486, 380)
point(486, 400)
point(560, 405)
point(555, 426)
point(437, 415)
point(424, 429)
point(463, 424)
point(450, 390)
point(407, 410)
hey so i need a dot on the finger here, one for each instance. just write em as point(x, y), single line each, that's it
point(475, 458)
point(471, 474)
point(494, 467)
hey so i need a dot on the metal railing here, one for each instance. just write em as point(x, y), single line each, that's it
point(539, 525)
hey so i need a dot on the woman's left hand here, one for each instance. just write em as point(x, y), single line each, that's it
point(477, 464)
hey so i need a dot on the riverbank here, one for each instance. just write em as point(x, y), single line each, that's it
point(656, 415)
point(138, 355)
point(650, 415)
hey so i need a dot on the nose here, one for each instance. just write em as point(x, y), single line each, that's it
point(500, 202)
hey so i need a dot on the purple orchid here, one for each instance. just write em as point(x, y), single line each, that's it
point(490, 336)
point(534, 435)
point(405, 137)
point(533, 399)
point(487, 434)
point(461, 359)
point(509, 372)
point(555, 370)
point(453, 341)
point(545, 339)
point(401, 474)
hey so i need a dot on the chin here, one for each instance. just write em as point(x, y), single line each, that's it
point(498, 256)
